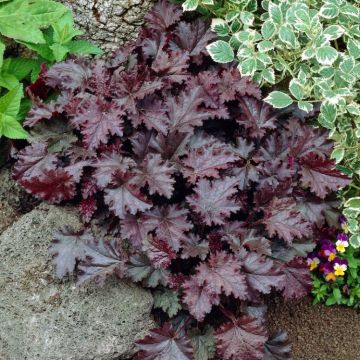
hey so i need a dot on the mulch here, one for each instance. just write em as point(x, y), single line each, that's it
point(317, 332)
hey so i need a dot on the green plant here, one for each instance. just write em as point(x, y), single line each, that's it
point(45, 27)
point(335, 270)
point(305, 53)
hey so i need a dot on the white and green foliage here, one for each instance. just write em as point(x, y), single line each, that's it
point(45, 27)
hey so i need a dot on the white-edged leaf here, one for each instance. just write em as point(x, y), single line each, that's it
point(220, 51)
point(265, 45)
point(268, 29)
point(275, 13)
point(190, 5)
point(296, 89)
point(247, 67)
point(279, 99)
point(305, 106)
point(333, 32)
point(338, 154)
point(308, 54)
point(287, 36)
point(326, 55)
point(268, 75)
point(329, 11)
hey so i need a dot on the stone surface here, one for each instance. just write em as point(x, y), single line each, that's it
point(13, 200)
point(109, 23)
point(44, 318)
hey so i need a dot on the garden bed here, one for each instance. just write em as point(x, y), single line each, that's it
point(317, 332)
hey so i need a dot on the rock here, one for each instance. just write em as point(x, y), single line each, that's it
point(109, 23)
point(44, 318)
point(14, 201)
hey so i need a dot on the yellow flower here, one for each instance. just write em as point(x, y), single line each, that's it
point(314, 264)
point(330, 277)
point(340, 269)
point(341, 246)
point(331, 257)
point(345, 228)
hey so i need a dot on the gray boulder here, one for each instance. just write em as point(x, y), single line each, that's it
point(109, 23)
point(44, 318)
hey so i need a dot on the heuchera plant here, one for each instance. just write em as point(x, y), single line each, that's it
point(305, 53)
point(196, 188)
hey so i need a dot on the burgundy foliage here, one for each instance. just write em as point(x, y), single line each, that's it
point(194, 184)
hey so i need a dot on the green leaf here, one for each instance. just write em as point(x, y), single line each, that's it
point(20, 67)
point(338, 154)
point(8, 81)
point(247, 18)
point(305, 106)
point(203, 343)
point(64, 29)
point(42, 49)
point(268, 29)
point(268, 75)
point(328, 114)
point(2, 50)
point(220, 27)
point(168, 301)
point(333, 32)
point(287, 36)
point(308, 54)
point(296, 89)
point(355, 240)
point(329, 11)
point(353, 203)
point(353, 47)
point(11, 128)
point(190, 5)
point(221, 52)
point(347, 64)
point(10, 103)
point(265, 46)
point(83, 47)
point(279, 99)
point(24, 19)
point(275, 13)
point(59, 51)
point(326, 55)
point(247, 67)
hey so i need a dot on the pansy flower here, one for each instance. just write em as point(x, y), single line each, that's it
point(340, 266)
point(313, 261)
point(343, 223)
point(327, 250)
point(342, 243)
point(328, 270)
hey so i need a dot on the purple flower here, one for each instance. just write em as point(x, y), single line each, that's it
point(327, 250)
point(342, 220)
point(313, 261)
point(327, 268)
point(342, 237)
point(339, 261)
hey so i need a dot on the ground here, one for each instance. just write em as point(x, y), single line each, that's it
point(317, 332)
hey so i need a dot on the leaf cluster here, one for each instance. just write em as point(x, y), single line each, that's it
point(196, 187)
point(47, 29)
point(304, 53)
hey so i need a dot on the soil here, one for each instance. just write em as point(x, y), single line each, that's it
point(317, 332)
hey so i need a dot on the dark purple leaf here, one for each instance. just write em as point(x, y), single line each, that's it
point(241, 339)
point(164, 343)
